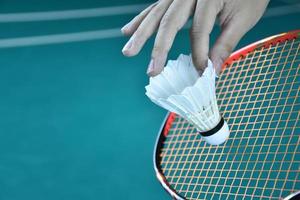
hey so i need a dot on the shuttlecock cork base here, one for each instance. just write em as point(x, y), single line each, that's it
point(181, 90)
point(217, 135)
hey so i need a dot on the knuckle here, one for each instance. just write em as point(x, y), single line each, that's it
point(158, 8)
point(158, 49)
point(169, 23)
point(197, 29)
point(165, 22)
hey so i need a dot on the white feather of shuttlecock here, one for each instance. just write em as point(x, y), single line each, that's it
point(181, 90)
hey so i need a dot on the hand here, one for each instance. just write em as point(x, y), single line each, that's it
point(236, 17)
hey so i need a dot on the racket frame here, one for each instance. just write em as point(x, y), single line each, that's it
point(163, 132)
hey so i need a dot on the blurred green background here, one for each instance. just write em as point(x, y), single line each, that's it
point(74, 120)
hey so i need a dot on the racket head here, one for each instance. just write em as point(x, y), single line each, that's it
point(290, 41)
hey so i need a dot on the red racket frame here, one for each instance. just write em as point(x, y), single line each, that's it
point(164, 130)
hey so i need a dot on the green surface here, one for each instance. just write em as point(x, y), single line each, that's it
point(74, 120)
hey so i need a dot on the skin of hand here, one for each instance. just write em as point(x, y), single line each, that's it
point(167, 17)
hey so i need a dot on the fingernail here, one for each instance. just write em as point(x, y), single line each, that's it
point(124, 28)
point(218, 63)
point(200, 71)
point(127, 46)
point(150, 67)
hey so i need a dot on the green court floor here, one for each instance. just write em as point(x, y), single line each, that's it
point(74, 121)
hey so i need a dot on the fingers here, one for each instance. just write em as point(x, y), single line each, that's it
point(230, 36)
point(173, 20)
point(203, 22)
point(236, 19)
point(131, 27)
point(146, 28)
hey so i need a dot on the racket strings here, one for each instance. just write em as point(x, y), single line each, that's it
point(256, 163)
point(258, 95)
point(231, 83)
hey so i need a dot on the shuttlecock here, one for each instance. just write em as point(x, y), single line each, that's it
point(181, 90)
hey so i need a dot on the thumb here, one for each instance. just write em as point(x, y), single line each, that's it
point(230, 35)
